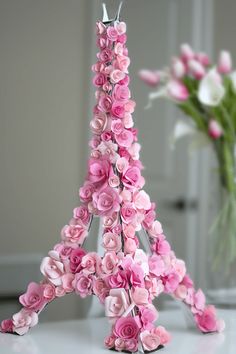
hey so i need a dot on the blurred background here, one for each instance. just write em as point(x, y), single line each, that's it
point(46, 100)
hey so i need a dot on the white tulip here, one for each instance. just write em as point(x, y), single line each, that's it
point(211, 91)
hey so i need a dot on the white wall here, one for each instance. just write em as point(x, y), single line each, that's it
point(44, 72)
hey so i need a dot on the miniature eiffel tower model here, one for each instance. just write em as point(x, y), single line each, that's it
point(126, 279)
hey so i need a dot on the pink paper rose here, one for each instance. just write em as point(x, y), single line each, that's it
point(148, 316)
point(150, 341)
point(126, 328)
point(99, 123)
point(82, 213)
point(105, 103)
point(116, 76)
point(142, 200)
point(207, 321)
point(128, 213)
point(52, 269)
point(82, 284)
point(162, 333)
point(118, 109)
point(131, 177)
point(118, 280)
point(67, 280)
point(49, 291)
point(24, 320)
point(100, 289)
point(74, 233)
point(6, 326)
point(116, 303)
point(109, 341)
point(90, 262)
point(112, 33)
point(99, 171)
point(121, 93)
point(106, 201)
point(156, 229)
point(34, 298)
point(76, 259)
point(111, 242)
point(109, 263)
point(125, 138)
point(86, 192)
point(99, 80)
point(140, 296)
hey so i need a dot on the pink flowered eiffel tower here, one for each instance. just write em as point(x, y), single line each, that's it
point(126, 279)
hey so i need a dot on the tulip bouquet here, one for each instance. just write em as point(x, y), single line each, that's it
point(207, 94)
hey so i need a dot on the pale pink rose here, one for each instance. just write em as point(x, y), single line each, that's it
point(110, 221)
point(121, 164)
point(140, 296)
point(60, 291)
point(224, 62)
point(129, 231)
point(102, 43)
point(141, 200)
point(128, 213)
point(129, 106)
point(52, 269)
point(99, 80)
point(128, 121)
point(90, 262)
point(121, 93)
point(156, 265)
point(141, 259)
point(109, 342)
point(64, 250)
point(117, 126)
point(149, 218)
point(74, 233)
point(119, 48)
point(178, 68)
point(136, 275)
point(105, 55)
point(109, 263)
point(131, 345)
point(99, 171)
point(106, 201)
point(82, 284)
point(154, 286)
point(162, 333)
point(134, 150)
point(105, 103)
point(122, 63)
point(111, 242)
point(119, 344)
point(116, 303)
point(6, 326)
point(118, 280)
point(24, 320)
point(150, 341)
point(171, 282)
point(116, 76)
point(126, 196)
point(148, 316)
point(179, 268)
point(100, 289)
point(199, 300)
point(34, 298)
point(112, 33)
point(82, 213)
point(114, 181)
point(125, 138)
point(162, 246)
point(207, 321)
point(156, 229)
point(100, 27)
point(214, 129)
point(126, 328)
point(181, 292)
point(122, 39)
point(196, 69)
point(76, 259)
point(108, 148)
point(186, 52)
point(130, 245)
point(86, 192)
point(177, 91)
point(67, 280)
point(99, 123)
point(49, 291)
point(131, 177)
point(120, 27)
point(151, 78)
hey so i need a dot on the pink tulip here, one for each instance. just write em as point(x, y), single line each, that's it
point(151, 78)
point(214, 129)
point(196, 69)
point(178, 68)
point(202, 58)
point(176, 90)
point(186, 52)
point(224, 62)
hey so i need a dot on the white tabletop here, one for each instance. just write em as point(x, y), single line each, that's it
point(86, 336)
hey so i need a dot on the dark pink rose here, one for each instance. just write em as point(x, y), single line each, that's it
point(171, 282)
point(100, 289)
point(126, 328)
point(99, 80)
point(105, 55)
point(106, 201)
point(6, 326)
point(207, 321)
point(34, 297)
point(76, 259)
point(99, 171)
point(131, 177)
point(118, 280)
